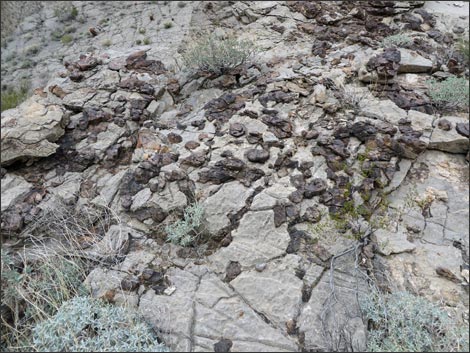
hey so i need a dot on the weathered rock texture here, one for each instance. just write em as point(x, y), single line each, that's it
point(292, 158)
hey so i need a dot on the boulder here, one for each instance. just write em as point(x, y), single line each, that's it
point(13, 187)
point(411, 62)
point(30, 130)
point(450, 141)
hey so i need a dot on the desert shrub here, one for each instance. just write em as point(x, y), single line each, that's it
point(11, 98)
point(185, 231)
point(452, 93)
point(51, 271)
point(211, 54)
point(66, 12)
point(397, 40)
point(107, 43)
point(34, 49)
point(403, 322)
point(66, 39)
point(27, 63)
point(351, 97)
point(83, 324)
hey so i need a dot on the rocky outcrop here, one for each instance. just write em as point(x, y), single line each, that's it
point(308, 182)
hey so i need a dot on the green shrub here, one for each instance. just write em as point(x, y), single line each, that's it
point(402, 322)
point(66, 39)
point(452, 93)
point(211, 54)
point(185, 231)
point(83, 324)
point(73, 12)
point(147, 41)
point(13, 97)
point(138, 42)
point(168, 25)
point(181, 4)
point(397, 40)
point(142, 31)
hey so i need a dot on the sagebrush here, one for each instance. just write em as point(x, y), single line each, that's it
point(185, 231)
point(208, 53)
point(397, 40)
point(403, 322)
point(84, 324)
point(449, 94)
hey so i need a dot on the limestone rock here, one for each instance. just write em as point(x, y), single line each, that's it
point(30, 130)
point(393, 242)
point(450, 141)
point(114, 244)
point(228, 200)
point(255, 240)
point(13, 187)
point(345, 326)
point(276, 291)
point(203, 310)
point(412, 62)
point(103, 282)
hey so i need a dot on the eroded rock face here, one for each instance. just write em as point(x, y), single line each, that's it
point(30, 130)
point(287, 157)
point(226, 202)
point(202, 309)
point(249, 246)
point(275, 291)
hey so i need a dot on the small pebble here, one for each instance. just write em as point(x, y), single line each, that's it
point(260, 267)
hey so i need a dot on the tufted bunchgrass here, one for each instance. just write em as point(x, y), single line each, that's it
point(35, 291)
point(39, 279)
point(185, 231)
point(403, 322)
point(84, 324)
point(208, 53)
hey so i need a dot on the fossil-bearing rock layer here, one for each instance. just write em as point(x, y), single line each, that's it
point(323, 138)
